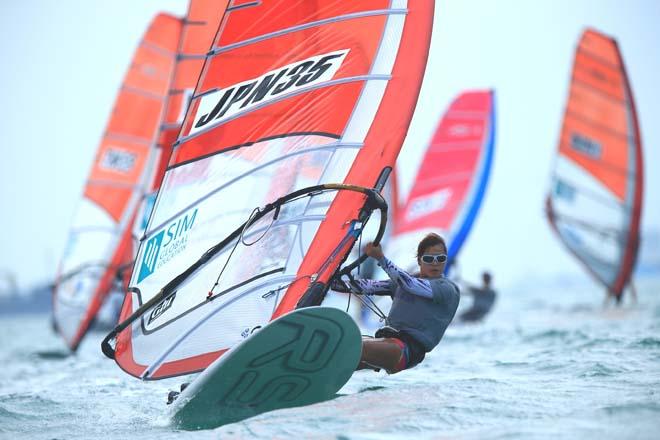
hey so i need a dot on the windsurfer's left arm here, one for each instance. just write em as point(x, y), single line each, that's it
point(403, 279)
point(399, 277)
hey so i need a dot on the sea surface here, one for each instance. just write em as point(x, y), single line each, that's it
point(549, 362)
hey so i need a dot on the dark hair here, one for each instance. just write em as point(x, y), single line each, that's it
point(431, 239)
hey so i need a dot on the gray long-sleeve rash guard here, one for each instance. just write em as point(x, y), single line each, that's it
point(422, 308)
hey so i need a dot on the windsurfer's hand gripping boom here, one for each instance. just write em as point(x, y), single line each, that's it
point(374, 251)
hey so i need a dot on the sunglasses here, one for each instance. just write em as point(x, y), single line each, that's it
point(434, 259)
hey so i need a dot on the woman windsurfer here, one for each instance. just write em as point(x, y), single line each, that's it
point(422, 307)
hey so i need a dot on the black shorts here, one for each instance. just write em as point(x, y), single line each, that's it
point(416, 351)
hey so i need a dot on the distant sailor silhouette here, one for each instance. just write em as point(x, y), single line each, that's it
point(483, 299)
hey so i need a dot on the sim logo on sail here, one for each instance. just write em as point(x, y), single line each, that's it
point(166, 244)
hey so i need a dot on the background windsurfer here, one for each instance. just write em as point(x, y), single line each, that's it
point(422, 307)
point(483, 299)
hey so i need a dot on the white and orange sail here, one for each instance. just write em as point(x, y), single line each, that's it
point(595, 200)
point(451, 182)
point(299, 113)
point(98, 243)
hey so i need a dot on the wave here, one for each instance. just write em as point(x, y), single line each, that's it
point(648, 342)
point(601, 370)
point(7, 415)
point(557, 335)
point(632, 407)
point(12, 420)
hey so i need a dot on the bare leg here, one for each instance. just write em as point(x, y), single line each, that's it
point(380, 353)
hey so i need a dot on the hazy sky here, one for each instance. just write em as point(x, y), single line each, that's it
point(63, 62)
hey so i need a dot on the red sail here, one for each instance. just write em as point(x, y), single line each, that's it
point(451, 182)
point(294, 94)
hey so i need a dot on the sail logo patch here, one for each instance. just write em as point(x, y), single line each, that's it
point(586, 146)
point(564, 190)
point(222, 104)
point(118, 160)
point(162, 306)
point(464, 130)
point(148, 265)
point(167, 244)
point(427, 204)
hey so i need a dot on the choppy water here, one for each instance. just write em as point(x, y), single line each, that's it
point(548, 363)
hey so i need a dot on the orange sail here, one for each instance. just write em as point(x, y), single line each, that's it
point(98, 244)
point(595, 201)
point(299, 113)
point(199, 27)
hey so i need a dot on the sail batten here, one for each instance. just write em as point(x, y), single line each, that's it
point(222, 49)
point(300, 91)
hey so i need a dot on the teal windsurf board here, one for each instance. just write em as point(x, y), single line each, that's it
point(300, 358)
